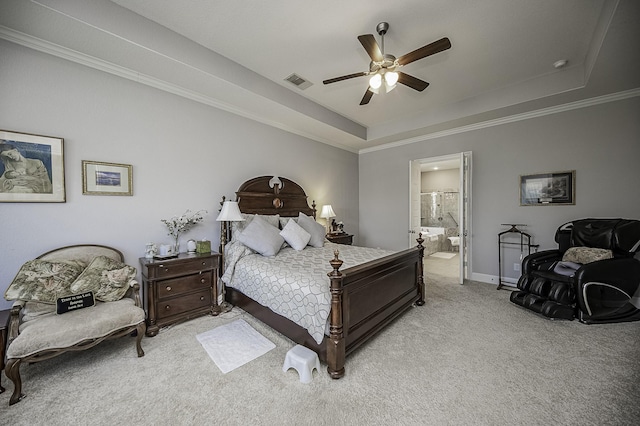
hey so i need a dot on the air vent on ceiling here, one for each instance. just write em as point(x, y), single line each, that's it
point(300, 82)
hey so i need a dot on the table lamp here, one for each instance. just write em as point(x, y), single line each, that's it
point(327, 213)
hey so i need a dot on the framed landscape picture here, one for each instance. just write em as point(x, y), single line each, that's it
point(106, 178)
point(548, 188)
point(31, 168)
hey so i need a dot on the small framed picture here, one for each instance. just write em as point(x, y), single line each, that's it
point(106, 178)
point(31, 168)
point(548, 189)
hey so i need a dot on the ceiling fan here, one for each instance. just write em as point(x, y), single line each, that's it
point(384, 67)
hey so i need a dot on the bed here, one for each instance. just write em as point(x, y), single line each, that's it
point(362, 298)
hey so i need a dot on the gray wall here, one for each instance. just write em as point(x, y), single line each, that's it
point(601, 142)
point(185, 155)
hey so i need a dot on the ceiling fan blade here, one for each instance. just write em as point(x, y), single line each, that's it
point(345, 77)
point(424, 51)
point(367, 97)
point(410, 81)
point(370, 44)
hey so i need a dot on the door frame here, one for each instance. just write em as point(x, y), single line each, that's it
point(465, 211)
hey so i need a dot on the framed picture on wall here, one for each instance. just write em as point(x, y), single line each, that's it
point(548, 189)
point(31, 168)
point(106, 178)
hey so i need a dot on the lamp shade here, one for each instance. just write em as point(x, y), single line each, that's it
point(376, 81)
point(391, 78)
point(230, 212)
point(327, 211)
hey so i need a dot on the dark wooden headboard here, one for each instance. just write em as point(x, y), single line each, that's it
point(273, 195)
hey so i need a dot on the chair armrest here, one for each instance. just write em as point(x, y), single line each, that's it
point(622, 273)
point(14, 320)
point(535, 261)
point(135, 286)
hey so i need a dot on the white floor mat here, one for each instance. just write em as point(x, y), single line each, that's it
point(233, 345)
point(443, 255)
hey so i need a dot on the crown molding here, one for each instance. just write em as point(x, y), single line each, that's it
point(584, 103)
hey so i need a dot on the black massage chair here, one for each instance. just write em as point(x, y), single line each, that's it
point(592, 276)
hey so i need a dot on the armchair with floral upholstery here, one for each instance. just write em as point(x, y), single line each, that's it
point(37, 332)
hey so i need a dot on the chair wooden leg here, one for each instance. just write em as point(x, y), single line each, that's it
point(141, 329)
point(12, 371)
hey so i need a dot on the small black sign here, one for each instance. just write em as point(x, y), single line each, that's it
point(74, 302)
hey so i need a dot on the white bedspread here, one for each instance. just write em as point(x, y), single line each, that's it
point(293, 284)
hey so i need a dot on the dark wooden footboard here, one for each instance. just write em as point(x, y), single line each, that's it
point(364, 299)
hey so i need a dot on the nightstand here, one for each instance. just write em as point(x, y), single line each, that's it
point(179, 289)
point(342, 238)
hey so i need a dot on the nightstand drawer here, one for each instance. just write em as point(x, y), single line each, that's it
point(170, 268)
point(178, 286)
point(182, 304)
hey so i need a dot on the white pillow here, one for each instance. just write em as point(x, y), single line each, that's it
point(295, 235)
point(262, 237)
point(316, 230)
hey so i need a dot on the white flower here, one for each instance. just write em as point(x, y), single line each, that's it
point(177, 225)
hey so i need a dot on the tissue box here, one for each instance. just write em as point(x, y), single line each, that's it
point(203, 246)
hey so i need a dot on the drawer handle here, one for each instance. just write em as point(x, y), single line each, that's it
point(166, 269)
point(204, 263)
point(168, 288)
point(167, 308)
point(203, 281)
point(201, 297)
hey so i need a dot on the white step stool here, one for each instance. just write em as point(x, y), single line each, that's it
point(304, 360)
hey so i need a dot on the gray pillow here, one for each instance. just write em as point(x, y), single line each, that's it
point(238, 227)
point(316, 230)
point(295, 235)
point(262, 237)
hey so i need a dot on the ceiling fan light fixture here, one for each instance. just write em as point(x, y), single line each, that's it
point(391, 78)
point(375, 82)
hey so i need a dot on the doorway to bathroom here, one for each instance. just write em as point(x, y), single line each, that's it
point(440, 200)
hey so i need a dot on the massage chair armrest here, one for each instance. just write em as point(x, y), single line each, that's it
point(540, 260)
point(622, 273)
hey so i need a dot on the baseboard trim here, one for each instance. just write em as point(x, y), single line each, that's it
point(493, 279)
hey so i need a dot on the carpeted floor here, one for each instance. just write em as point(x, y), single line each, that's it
point(468, 356)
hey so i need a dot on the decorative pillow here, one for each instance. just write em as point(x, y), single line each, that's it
point(238, 227)
point(108, 279)
point(262, 237)
point(43, 281)
point(586, 254)
point(295, 235)
point(316, 230)
point(284, 220)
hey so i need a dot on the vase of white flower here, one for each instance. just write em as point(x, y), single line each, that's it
point(179, 224)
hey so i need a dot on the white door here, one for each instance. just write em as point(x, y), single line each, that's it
point(414, 201)
point(465, 213)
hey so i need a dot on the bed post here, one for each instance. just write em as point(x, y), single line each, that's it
point(421, 288)
point(335, 344)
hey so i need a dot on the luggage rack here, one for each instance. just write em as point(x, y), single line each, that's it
point(525, 242)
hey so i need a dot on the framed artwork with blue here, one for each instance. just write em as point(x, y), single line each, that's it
point(31, 168)
point(100, 178)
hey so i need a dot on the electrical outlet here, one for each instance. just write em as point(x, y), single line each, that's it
point(516, 267)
